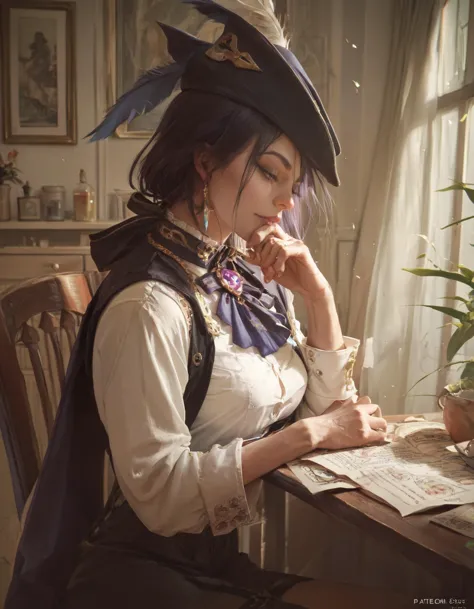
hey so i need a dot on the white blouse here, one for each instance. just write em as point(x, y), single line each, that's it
point(178, 479)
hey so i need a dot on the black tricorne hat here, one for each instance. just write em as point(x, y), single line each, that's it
point(244, 66)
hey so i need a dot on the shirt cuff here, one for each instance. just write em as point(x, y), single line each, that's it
point(330, 375)
point(222, 488)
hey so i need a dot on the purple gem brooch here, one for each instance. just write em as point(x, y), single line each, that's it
point(230, 280)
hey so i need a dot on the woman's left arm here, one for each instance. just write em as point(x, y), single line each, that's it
point(324, 328)
point(329, 370)
point(329, 356)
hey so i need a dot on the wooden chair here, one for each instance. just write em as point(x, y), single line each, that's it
point(39, 320)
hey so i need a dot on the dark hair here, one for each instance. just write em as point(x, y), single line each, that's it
point(166, 172)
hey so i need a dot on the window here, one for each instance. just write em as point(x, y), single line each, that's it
point(455, 103)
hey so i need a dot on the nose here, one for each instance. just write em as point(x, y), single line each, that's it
point(284, 203)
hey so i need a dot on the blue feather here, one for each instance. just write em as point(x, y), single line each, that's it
point(182, 45)
point(212, 10)
point(151, 89)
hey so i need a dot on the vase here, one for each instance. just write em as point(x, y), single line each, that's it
point(458, 415)
point(4, 202)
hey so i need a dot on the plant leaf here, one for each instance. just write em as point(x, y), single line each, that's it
point(457, 222)
point(454, 298)
point(465, 270)
point(447, 311)
point(439, 273)
point(425, 238)
point(457, 340)
point(468, 371)
point(445, 325)
point(465, 361)
point(460, 186)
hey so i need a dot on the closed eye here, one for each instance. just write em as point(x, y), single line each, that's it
point(268, 174)
point(273, 178)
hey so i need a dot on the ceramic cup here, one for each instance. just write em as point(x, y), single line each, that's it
point(458, 416)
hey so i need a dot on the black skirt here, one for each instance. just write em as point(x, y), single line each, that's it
point(124, 566)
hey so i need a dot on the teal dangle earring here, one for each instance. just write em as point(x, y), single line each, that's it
point(206, 207)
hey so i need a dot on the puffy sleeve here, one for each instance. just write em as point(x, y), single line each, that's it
point(140, 370)
point(329, 372)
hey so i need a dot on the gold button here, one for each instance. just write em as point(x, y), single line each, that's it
point(197, 359)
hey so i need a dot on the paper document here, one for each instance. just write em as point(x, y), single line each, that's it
point(461, 520)
point(317, 479)
point(413, 473)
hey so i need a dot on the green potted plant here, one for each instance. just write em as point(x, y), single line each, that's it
point(457, 399)
point(8, 173)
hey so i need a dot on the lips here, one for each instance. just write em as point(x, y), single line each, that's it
point(270, 219)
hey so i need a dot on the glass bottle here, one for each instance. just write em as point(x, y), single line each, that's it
point(53, 200)
point(85, 209)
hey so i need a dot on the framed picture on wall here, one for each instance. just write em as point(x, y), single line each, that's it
point(38, 68)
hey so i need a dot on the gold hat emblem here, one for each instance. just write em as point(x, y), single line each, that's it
point(225, 49)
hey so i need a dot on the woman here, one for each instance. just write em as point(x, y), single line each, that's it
point(191, 358)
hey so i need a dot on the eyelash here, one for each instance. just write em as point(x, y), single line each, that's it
point(270, 176)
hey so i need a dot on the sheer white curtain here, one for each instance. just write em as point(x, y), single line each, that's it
point(415, 155)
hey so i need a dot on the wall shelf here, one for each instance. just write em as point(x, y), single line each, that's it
point(38, 251)
point(64, 225)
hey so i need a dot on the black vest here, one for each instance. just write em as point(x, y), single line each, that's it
point(68, 498)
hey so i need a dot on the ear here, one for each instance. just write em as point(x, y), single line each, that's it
point(203, 163)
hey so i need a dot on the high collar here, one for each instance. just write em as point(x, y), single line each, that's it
point(113, 244)
point(192, 230)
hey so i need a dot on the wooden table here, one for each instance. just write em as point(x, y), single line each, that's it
point(441, 551)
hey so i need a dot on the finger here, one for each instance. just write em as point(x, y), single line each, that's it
point(265, 251)
point(339, 403)
point(365, 400)
point(372, 409)
point(269, 270)
point(378, 412)
point(378, 423)
point(270, 254)
point(280, 262)
point(259, 235)
point(376, 436)
point(252, 256)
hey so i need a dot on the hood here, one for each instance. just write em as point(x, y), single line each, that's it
point(114, 243)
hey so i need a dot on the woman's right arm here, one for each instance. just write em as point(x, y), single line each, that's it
point(140, 370)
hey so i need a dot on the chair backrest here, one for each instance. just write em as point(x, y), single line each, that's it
point(39, 320)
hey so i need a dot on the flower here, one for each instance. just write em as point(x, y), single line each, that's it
point(8, 170)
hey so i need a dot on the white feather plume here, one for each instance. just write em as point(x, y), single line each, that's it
point(261, 14)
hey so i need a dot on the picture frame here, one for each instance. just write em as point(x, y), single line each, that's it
point(29, 208)
point(39, 72)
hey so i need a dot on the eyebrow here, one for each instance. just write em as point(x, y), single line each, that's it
point(284, 160)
